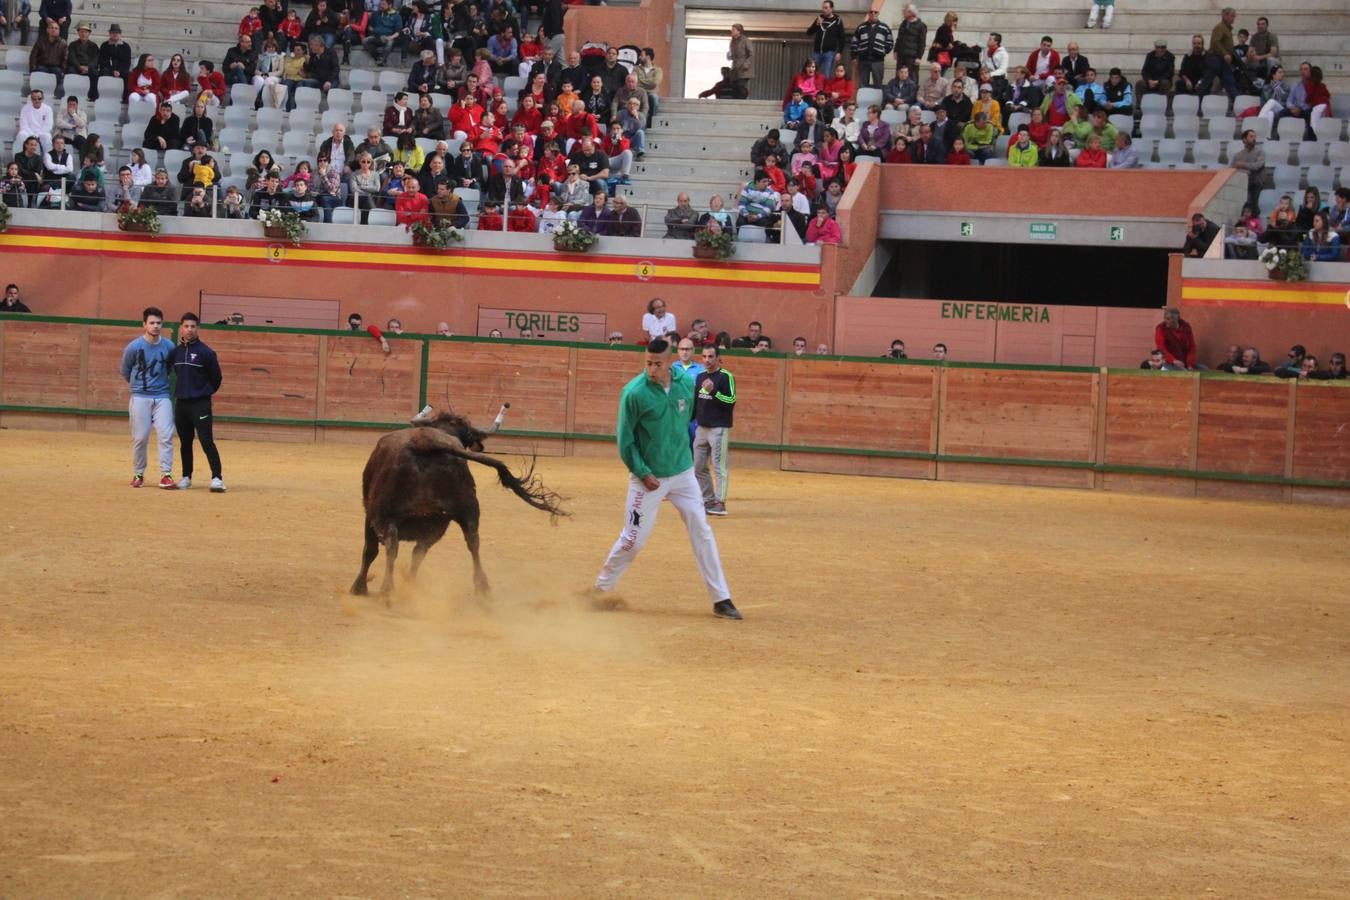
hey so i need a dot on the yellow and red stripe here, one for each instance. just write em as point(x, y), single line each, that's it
point(1269, 294)
point(368, 256)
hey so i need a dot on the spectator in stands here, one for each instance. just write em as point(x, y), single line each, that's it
point(1156, 362)
point(649, 77)
point(574, 192)
point(909, 129)
point(657, 322)
point(35, 121)
point(758, 203)
point(412, 206)
point(87, 196)
point(1335, 370)
point(944, 128)
point(957, 155)
point(995, 58)
point(1059, 104)
point(13, 191)
point(1090, 92)
point(384, 29)
point(82, 57)
point(1075, 66)
point(49, 54)
point(1022, 153)
point(1241, 243)
point(241, 62)
point(164, 131)
point(125, 191)
point(957, 104)
point(681, 219)
point(839, 87)
point(381, 154)
point(592, 163)
point(871, 44)
point(1055, 154)
point(1309, 100)
point(326, 187)
point(716, 211)
point(846, 124)
point(160, 195)
point(364, 187)
point(1292, 367)
point(1024, 95)
point(1158, 72)
point(1251, 363)
point(1321, 243)
point(199, 168)
point(810, 129)
point(175, 84)
point(114, 56)
point(195, 206)
point(1174, 338)
point(945, 45)
point(754, 334)
point(627, 91)
point(262, 167)
point(1234, 358)
point(11, 302)
point(1312, 204)
point(72, 124)
point(823, 229)
point(827, 37)
point(1264, 51)
point(1339, 212)
point(1042, 62)
point(1283, 229)
point(196, 128)
point(447, 206)
point(321, 23)
point(1200, 236)
point(1275, 94)
point(979, 137)
point(929, 149)
point(320, 69)
point(232, 205)
point(874, 137)
point(595, 100)
point(1119, 96)
point(61, 165)
point(594, 218)
point(1221, 47)
point(623, 220)
point(1252, 160)
point(1124, 155)
point(740, 55)
point(1198, 69)
point(270, 78)
point(272, 196)
point(959, 74)
point(1103, 9)
point(992, 109)
point(934, 90)
point(901, 91)
point(31, 168)
point(143, 83)
point(293, 72)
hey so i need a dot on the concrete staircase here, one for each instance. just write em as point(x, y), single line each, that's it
point(1314, 30)
point(699, 146)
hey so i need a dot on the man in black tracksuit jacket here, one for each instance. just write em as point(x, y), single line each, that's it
point(198, 374)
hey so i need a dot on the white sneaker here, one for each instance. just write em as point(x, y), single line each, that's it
point(184, 483)
point(217, 486)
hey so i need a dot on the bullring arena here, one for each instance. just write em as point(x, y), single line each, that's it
point(1020, 619)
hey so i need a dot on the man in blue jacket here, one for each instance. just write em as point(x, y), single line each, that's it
point(146, 362)
point(199, 377)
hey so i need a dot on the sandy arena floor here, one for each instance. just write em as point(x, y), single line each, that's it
point(938, 690)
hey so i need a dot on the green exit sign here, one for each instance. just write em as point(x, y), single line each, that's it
point(1043, 231)
point(1117, 232)
point(967, 229)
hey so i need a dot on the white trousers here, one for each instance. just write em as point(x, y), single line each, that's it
point(145, 413)
point(712, 446)
point(1107, 13)
point(640, 518)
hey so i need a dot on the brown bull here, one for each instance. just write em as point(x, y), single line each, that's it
point(417, 482)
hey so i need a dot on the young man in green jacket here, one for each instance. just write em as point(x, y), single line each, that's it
point(653, 430)
point(1022, 153)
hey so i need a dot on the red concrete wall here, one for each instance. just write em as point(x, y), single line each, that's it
point(1113, 193)
point(645, 25)
point(1271, 315)
point(859, 223)
point(1073, 336)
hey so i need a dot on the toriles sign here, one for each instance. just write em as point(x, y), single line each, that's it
point(997, 312)
point(558, 326)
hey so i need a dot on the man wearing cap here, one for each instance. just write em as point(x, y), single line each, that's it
point(1160, 69)
point(82, 58)
point(114, 56)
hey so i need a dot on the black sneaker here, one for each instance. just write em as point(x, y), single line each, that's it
point(725, 609)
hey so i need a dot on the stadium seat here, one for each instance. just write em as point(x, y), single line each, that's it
point(1255, 123)
point(43, 81)
point(233, 139)
point(1323, 178)
point(344, 215)
point(243, 95)
point(1206, 153)
point(1221, 127)
point(468, 194)
point(1021, 118)
point(269, 119)
point(391, 81)
point(308, 98)
point(866, 97)
point(452, 146)
point(1310, 153)
point(1231, 150)
point(11, 83)
point(237, 116)
point(363, 122)
point(359, 80)
point(1122, 122)
point(1277, 152)
point(16, 59)
point(1328, 129)
point(1145, 147)
point(297, 143)
point(512, 84)
point(1001, 146)
point(341, 99)
point(382, 217)
point(1245, 101)
point(1171, 152)
point(1267, 200)
point(894, 117)
point(1214, 105)
point(442, 102)
point(76, 85)
point(993, 162)
point(428, 145)
point(374, 101)
point(1185, 105)
point(1152, 126)
point(224, 162)
point(1290, 129)
point(753, 234)
point(264, 139)
point(237, 181)
point(1339, 156)
point(927, 117)
point(331, 118)
point(1186, 127)
point(173, 160)
point(1287, 178)
point(1153, 104)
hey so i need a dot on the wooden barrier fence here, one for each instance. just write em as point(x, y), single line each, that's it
point(1176, 433)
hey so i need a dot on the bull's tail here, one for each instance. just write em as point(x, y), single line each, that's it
point(527, 487)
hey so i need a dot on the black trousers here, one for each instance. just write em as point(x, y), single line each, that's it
point(193, 417)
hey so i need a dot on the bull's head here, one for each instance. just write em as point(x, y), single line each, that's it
point(458, 426)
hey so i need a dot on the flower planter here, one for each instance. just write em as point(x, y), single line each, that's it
point(563, 248)
point(276, 232)
point(137, 227)
point(1277, 274)
point(706, 253)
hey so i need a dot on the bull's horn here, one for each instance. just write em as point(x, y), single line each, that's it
point(424, 414)
point(497, 422)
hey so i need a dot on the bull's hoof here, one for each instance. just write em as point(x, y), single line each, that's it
point(359, 589)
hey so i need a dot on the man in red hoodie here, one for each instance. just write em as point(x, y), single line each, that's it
point(1174, 338)
point(412, 205)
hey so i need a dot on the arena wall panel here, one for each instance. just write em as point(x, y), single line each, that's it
point(1173, 434)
